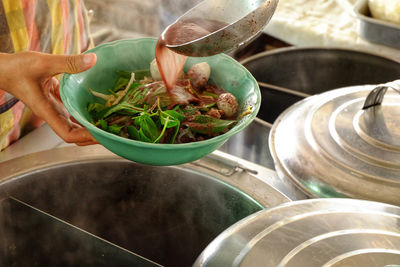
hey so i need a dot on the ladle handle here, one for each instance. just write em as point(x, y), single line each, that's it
point(375, 97)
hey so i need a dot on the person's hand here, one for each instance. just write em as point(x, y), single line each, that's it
point(29, 76)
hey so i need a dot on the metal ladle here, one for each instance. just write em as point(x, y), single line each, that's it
point(244, 20)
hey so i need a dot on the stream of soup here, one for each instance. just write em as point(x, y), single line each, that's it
point(170, 64)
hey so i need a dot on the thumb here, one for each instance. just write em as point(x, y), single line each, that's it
point(72, 64)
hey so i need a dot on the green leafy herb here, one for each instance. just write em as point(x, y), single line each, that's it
point(95, 107)
point(139, 74)
point(148, 127)
point(133, 132)
point(150, 113)
point(115, 129)
point(103, 125)
point(209, 125)
point(121, 107)
point(121, 82)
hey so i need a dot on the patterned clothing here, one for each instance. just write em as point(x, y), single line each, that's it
point(50, 26)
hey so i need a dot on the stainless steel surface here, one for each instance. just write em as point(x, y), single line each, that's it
point(329, 147)
point(244, 19)
point(165, 214)
point(241, 173)
point(311, 71)
point(282, 89)
point(375, 30)
point(318, 232)
point(297, 73)
point(375, 97)
point(251, 144)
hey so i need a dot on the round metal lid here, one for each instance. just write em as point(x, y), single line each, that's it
point(317, 232)
point(329, 146)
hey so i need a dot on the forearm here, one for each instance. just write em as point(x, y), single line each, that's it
point(6, 68)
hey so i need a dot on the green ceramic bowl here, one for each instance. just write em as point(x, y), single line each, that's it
point(136, 54)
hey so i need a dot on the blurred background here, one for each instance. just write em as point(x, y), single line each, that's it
point(295, 23)
point(118, 19)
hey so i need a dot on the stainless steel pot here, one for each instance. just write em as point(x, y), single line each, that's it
point(79, 206)
point(329, 146)
point(306, 71)
point(317, 232)
point(322, 153)
point(313, 70)
point(252, 144)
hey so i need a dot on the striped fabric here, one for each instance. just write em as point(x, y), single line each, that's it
point(50, 26)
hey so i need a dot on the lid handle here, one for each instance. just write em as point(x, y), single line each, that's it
point(375, 97)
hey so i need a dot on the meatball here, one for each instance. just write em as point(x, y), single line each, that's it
point(228, 104)
point(199, 74)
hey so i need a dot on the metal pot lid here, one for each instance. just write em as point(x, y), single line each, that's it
point(329, 146)
point(317, 232)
